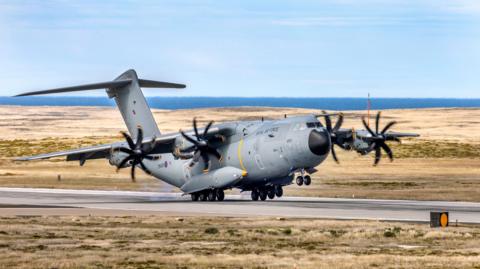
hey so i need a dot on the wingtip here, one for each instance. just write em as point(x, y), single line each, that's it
point(19, 95)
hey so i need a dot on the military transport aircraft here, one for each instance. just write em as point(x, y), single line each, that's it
point(259, 156)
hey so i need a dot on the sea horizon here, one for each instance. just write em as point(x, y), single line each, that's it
point(329, 103)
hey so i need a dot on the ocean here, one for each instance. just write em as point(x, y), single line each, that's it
point(205, 102)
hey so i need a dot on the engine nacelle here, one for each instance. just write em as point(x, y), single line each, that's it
point(179, 145)
point(361, 146)
point(116, 157)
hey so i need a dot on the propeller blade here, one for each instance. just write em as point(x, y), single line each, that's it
point(339, 123)
point(367, 127)
point(207, 128)
point(144, 168)
point(377, 122)
point(328, 121)
point(138, 144)
point(150, 158)
point(129, 140)
point(132, 172)
point(123, 162)
point(214, 152)
point(334, 155)
point(195, 128)
point(191, 140)
point(387, 149)
point(378, 154)
point(388, 126)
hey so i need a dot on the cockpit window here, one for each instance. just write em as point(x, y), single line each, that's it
point(314, 124)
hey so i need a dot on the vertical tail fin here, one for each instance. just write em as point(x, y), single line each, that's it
point(130, 100)
point(133, 106)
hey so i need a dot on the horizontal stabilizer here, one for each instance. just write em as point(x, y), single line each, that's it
point(144, 83)
point(108, 85)
point(94, 86)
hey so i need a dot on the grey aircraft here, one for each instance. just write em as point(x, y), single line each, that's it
point(260, 156)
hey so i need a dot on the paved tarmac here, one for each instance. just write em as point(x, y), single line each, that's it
point(64, 202)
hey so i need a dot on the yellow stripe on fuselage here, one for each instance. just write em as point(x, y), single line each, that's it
point(239, 153)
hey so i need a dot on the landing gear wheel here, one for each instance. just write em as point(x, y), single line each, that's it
point(194, 196)
point(299, 180)
point(307, 180)
point(254, 195)
point(278, 191)
point(271, 193)
point(263, 195)
point(212, 195)
point(202, 196)
point(220, 195)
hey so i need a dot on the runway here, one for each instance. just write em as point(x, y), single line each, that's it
point(18, 201)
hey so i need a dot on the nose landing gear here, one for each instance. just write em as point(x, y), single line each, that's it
point(303, 179)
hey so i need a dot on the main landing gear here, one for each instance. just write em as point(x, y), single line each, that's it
point(268, 191)
point(300, 180)
point(210, 195)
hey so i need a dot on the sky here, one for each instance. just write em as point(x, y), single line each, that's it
point(297, 48)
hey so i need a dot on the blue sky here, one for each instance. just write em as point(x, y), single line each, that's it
point(333, 48)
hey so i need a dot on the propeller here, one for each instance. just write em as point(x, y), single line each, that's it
point(379, 138)
point(333, 132)
point(136, 152)
point(201, 146)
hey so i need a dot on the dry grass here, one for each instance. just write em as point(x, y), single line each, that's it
point(442, 165)
point(18, 122)
point(201, 242)
point(451, 174)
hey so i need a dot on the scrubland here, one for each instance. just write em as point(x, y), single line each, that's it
point(443, 164)
point(217, 242)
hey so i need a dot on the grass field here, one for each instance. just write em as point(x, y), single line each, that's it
point(207, 242)
point(424, 170)
point(443, 164)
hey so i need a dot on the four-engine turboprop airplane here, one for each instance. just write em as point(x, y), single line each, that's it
point(259, 156)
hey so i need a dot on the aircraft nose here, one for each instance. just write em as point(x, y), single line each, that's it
point(319, 142)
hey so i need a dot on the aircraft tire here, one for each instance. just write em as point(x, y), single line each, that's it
point(254, 195)
point(194, 196)
point(278, 191)
point(220, 195)
point(307, 180)
point(271, 193)
point(299, 180)
point(202, 196)
point(263, 195)
point(212, 195)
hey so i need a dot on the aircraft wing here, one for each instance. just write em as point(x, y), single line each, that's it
point(397, 134)
point(163, 144)
point(95, 152)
